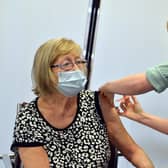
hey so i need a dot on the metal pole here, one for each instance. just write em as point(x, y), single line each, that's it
point(89, 49)
point(89, 44)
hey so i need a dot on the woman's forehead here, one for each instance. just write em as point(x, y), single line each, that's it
point(70, 56)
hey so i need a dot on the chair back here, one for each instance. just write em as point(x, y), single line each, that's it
point(114, 157)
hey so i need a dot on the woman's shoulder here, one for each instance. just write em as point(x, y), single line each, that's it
point(88, 96)
point(87, 93)
point(26, 108)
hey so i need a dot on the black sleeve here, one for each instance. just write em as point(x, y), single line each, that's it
point(26, 131)
point(98, 108)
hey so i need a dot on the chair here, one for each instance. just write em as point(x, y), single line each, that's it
point(17, 162)
point(6, 160)
point(114, 157)
point(11, 160)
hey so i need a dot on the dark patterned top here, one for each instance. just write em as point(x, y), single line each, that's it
point(83, 144)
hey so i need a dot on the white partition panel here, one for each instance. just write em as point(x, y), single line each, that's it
point(132, 36)
point(24, 25)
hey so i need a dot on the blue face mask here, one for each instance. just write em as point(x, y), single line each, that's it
point(70, 83)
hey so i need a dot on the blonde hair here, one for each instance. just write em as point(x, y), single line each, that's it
point(43, 78)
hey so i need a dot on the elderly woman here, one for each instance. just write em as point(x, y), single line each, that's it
point(64, 126)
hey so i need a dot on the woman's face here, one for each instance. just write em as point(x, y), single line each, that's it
point(68, 62)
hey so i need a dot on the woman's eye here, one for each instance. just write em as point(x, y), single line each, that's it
point(78, 62)
point(66, 64)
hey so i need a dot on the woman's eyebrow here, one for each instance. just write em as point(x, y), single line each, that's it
point(71, 59)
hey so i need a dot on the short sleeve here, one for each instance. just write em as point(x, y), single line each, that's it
point(98, 108)
point(27, 130)
point(158, 77)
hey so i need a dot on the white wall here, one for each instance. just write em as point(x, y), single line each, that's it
point(132, 36)
point(24, 25)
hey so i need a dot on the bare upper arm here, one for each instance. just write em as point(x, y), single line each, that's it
point(34, 157)
point(118, 135)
